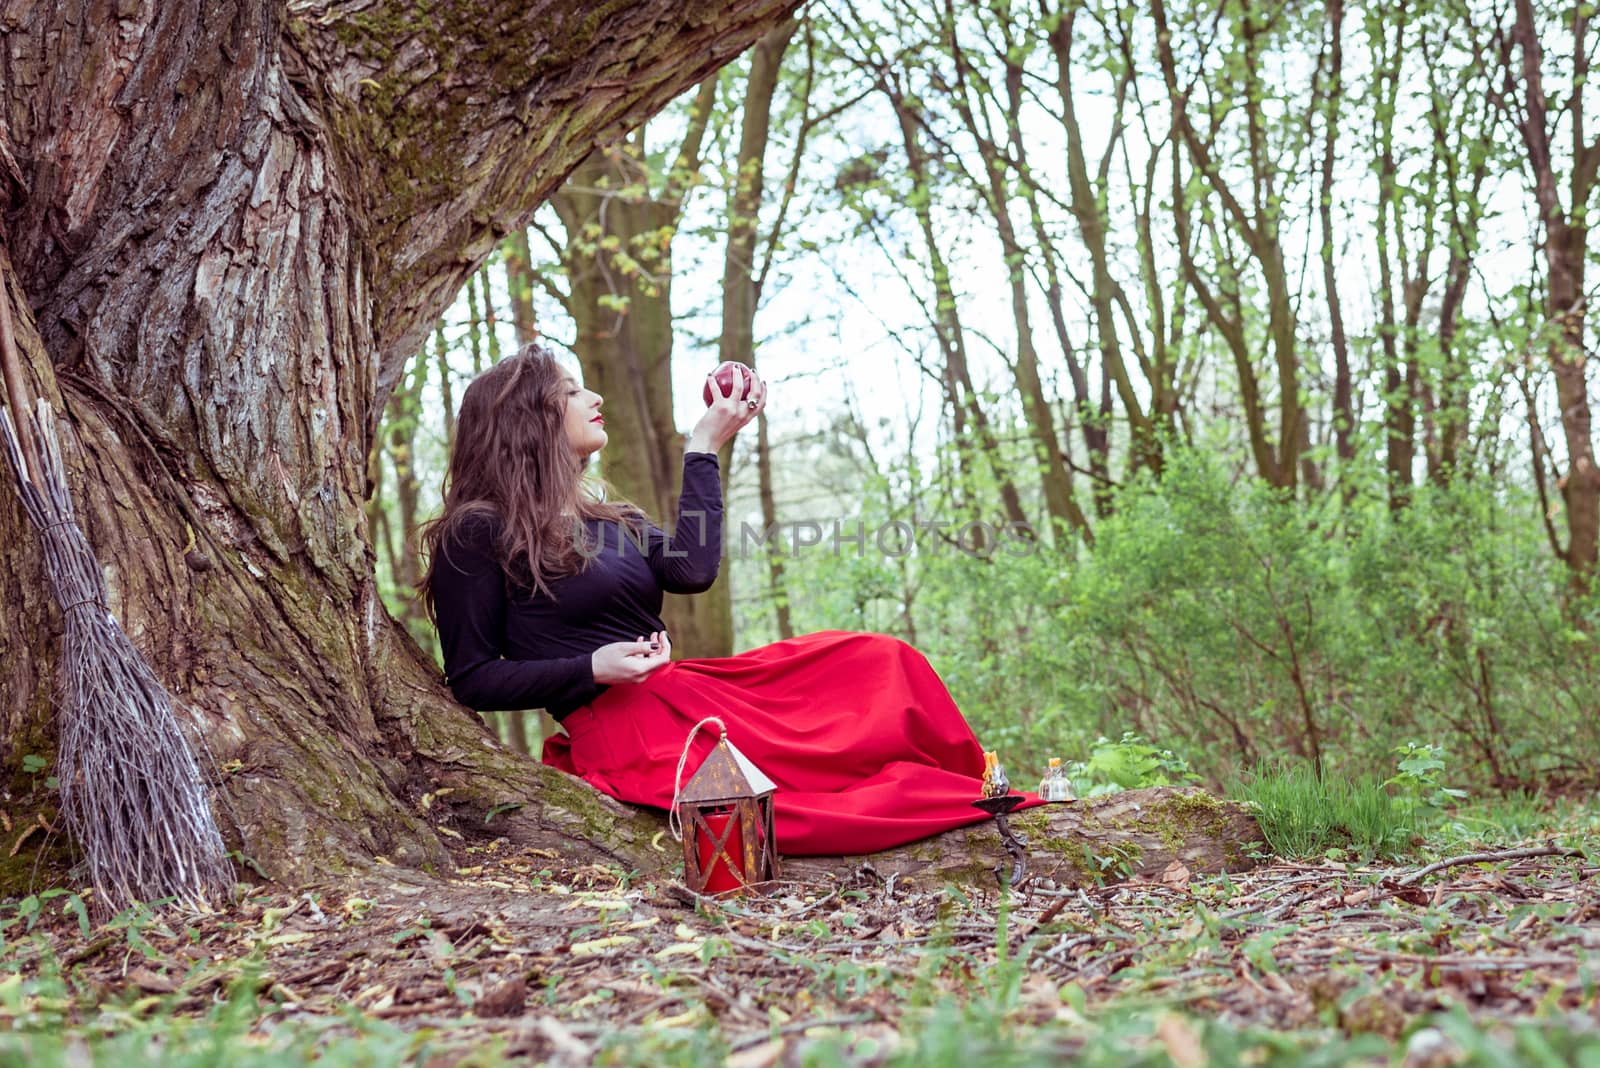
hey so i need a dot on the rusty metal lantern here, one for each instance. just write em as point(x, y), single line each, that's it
point(726, 814)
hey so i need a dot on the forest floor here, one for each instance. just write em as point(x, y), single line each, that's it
point(517, 956)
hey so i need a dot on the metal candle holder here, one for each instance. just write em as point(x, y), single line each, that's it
point(998, 807)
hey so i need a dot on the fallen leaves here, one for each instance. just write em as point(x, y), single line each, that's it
point(1175, 875)
point(152, 982)
point(507, 998)
point(562, 962)
point(597, 946)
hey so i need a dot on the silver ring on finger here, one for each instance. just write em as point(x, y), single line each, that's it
point(750, 404)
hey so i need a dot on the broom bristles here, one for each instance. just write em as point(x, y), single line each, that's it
point(131, 789)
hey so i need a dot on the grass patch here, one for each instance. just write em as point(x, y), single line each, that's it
point(44, 1031)
point(1303, 816)
point(955, 1036)
point(1501, 820)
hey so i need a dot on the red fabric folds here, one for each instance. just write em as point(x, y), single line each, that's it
point(865, 744)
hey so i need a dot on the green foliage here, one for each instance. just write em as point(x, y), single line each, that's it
point(28, 910)
point(957, 1035)
point(1129, 763)
point(1495, 820)
point(34, 765)
point(1226, 622)
point(1418, 778)
point(1304, 816)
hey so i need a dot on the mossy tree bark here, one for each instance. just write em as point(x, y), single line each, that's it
point(1133, 834)
point(228, 228)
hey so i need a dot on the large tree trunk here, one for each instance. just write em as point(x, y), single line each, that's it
point(231, 226)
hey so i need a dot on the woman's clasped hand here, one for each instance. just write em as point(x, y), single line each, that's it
point(631, 661)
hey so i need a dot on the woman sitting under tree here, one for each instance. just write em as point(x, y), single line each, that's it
point(546, 596)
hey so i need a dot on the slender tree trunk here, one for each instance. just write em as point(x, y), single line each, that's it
point(620, 276)
point(1090, 208)
point(1461, 151)
point(447, 398)
point(379, 529)
point(230, 230)
point(777, 587)
point(1162, 291)
point(1257, 226)
point(1055, 480)
point(1229, 324)
point(1332, 95)
point(947, 326)
point(474, 325)
point(1399, 375)
point(514, 730)
point(520, 283)
point(740, 289)
point(405, 407)
point(1566, 238)
point(1053, 474)
point(491, 319)
point(1444, 463)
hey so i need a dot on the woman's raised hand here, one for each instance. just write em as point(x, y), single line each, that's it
point(728, 414)
point(631, 661)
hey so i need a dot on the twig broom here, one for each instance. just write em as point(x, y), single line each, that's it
point(130, 787)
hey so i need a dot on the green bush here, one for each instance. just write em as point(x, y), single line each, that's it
point(1233, 624)
point(1130, 763)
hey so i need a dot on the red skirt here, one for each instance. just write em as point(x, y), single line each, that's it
point(863, 741)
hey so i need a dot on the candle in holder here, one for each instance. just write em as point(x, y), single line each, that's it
point(995, 783)
point(719, 877)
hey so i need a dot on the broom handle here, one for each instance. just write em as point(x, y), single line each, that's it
point(16, 392)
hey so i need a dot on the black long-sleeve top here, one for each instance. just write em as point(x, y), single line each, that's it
point(506, 647)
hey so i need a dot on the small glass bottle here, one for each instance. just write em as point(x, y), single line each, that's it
point(1055, 785)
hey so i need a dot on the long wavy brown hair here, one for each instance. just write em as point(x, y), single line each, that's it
point(512, 463)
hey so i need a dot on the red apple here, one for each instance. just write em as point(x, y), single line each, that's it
point(724, 376)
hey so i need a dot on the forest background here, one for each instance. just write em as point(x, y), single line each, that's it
point(1206, 389)
point(1215, 380)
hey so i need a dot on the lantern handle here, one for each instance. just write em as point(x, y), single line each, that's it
point(673, 823)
